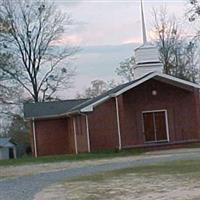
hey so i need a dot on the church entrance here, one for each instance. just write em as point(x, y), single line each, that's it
point(155, 126)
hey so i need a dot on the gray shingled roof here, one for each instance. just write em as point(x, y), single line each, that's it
point(59, 108)
point(50, 109)
point(5, 142)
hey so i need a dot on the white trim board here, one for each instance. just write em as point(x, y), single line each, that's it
point(34, 138)
point(118, 123)
point(75, 135)
point(87, 132)
point(90, 107)
point(152, 111)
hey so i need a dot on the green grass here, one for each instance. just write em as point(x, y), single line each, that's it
point(188, 167)
point(83, 156)
point(197, 145)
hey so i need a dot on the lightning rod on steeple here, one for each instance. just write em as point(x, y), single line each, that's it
point(143, 24)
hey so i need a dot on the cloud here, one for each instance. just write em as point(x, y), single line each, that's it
point(114, 22)
point(101, 61)
point(73, 39)
point(131, 40)
point(68, 3)
point(104, 49)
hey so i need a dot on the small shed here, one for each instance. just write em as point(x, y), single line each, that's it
point(7, 149)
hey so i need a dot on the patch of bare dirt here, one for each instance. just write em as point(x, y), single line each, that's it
point(126, 187)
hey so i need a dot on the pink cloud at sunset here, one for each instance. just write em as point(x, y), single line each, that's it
point(73, 39)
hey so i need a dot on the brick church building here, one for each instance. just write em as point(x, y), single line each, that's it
point(154, 110)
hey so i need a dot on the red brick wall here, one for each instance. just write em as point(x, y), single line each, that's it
point(81, 133)
point(51, 137)
point(70, 145)
point(56, 136)
point(103, 126)
point(180, 104)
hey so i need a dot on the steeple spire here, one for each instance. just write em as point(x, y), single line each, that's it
point(147, 56)
point(143, 24)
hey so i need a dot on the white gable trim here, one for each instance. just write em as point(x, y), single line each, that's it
point(90, 107)
point(135, 84)
point(164, 76)
point(178, 80)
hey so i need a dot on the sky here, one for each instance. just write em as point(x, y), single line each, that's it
point(107, 32)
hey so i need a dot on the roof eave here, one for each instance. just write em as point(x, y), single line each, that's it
point(44, 117)
point(194, 85)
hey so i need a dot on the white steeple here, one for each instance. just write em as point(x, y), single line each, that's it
point(147, 55)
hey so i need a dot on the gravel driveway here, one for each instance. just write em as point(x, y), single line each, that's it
point(26, 187)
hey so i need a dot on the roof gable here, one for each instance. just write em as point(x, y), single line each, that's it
point(164, 78)
point(88, 106)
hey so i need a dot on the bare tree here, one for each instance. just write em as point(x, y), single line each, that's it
point(194, 10)
point(126, 69)
point(177, 53)
point(97, 88)
point(167, 36)
point(10, 99)
point(18, 130)
point(30, 31)
point(6, 90)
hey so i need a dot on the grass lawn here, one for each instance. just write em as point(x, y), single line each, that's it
point(79, 157)
point(177, 180)
point(188, 167)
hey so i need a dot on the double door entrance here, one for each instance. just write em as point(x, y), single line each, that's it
point(155, 126)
